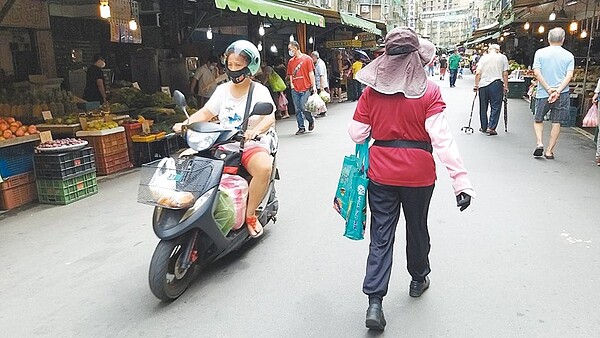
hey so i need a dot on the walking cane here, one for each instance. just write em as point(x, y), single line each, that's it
point(467, 129)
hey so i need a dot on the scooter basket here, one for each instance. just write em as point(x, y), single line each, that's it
point(174, 183)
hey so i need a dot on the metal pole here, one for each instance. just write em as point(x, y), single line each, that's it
point(587, 58)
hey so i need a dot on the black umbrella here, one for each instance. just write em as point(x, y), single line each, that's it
point(505, 113)
point(362, 54)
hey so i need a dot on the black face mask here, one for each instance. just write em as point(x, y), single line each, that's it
point(237, 76)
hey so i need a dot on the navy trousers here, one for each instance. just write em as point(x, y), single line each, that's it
point(385, 203)
point(453, 75)
point(491, 95)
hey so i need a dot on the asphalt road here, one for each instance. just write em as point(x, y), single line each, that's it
point(521, 261)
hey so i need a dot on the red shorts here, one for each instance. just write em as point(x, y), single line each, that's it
point(248, 153)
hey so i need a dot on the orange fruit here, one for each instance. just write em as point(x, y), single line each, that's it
point(7, 133)
point(3, 126)
point(19, 132)
point(10, 119)
point(32, 129)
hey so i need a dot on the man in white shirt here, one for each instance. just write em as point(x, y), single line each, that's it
point(491, 80)
point(320, 75)
point(205, 79)
point(553, 67)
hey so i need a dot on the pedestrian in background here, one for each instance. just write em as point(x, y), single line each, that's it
point(320, 76)
point(301, 71)
point(203, 83)
point(336, 76)
point(595, 101)
point(431, 68)
point(491, 81)
point(94, 81)
point(403, 112)
point(356, 87)
point(553, 67)
point(453, 64)
point(443, 66)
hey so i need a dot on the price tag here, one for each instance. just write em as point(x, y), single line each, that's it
point(83, 123)
point(47, 115)
point(45, 136)
point(136, 85)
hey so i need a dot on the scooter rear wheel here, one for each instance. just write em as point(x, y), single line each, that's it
point(167, 279)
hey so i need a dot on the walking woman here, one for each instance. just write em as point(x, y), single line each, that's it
point(403, 112)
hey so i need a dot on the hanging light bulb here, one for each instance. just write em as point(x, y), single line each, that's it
point(291, 37)
point(274, 49)
point(133, 24)
point(573, 26)
point(552, 16)
point(261, 30)
point(310, 40)
point(526, 26)
point(209, 34)
point(356, 37)
point(501, 38)
point(104, 10)
point(259, 46)
point(584, 34)
point(541, 29)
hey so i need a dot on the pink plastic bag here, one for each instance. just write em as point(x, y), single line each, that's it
point(237, 188)
point(282, 102)
point(591, 118)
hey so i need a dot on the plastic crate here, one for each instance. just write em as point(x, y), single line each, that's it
point(17, 180)
point(67, 191)
point(16, 160)
point(17, 196)
point(108, 144)
point(113, 163)
point(145, 152)
point(61, 166)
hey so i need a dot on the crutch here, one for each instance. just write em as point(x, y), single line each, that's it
point(505, 113)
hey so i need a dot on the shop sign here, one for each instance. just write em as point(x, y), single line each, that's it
point(343, 44)
point(369, 44)
point(367, 37)
point(26, 14)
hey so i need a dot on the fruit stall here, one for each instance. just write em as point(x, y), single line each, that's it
point(77, 144)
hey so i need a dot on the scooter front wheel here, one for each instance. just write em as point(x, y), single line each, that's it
point(168, 280)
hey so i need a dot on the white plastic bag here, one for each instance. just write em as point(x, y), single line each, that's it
point(164, 187)
point(315, 104)
point(591, 118)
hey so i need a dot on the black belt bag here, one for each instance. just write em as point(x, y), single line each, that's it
point(405, 144)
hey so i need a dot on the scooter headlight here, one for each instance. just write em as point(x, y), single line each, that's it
point(200, 141)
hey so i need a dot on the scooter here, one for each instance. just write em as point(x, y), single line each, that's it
point(190, 237)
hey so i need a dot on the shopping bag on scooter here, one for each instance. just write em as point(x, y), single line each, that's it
point(163, 186)
point(236, 188)
point(350, 199)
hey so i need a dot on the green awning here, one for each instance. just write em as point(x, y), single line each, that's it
point(272, 9)
point(484, 38)
point(365, 25)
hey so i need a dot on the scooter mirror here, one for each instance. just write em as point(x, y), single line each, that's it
point(180, 101)
point(262, 108)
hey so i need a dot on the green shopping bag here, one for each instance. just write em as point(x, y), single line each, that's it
point(276, 82)
point(350, 199)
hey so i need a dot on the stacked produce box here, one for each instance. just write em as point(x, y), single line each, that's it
point(65, 177)
point(110, 149)
point(17, 190)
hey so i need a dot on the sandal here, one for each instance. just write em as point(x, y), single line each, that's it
point(254, 227)
point(539, 151)
point(549, 157)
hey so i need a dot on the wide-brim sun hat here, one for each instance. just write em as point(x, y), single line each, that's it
point(401, 68)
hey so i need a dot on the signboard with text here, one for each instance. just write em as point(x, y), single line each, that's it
point(343, 44)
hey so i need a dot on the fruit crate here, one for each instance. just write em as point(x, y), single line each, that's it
point(64, 165)
point(67, 191)
point(16, 160)
point(107, 144)
point(131, 129)
point(17, 190)
point(113, 163)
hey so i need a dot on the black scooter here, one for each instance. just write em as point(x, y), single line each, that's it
point(190, 236)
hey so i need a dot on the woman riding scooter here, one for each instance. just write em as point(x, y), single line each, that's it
point(242, 60)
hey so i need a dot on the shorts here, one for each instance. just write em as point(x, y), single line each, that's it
point(559, 110)
point(334, 82)
point(249, 152)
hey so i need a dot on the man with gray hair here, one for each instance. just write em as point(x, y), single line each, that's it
point(553, 67)
point(320, 76)
point(491, 81)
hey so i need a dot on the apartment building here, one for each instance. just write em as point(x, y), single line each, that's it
point(392, 12)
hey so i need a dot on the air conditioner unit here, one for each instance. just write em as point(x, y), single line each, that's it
point(364, 9)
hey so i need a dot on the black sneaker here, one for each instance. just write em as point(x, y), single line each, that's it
point(311, 126)
point(375, 319)
point(321, 115)
point(417, 288)
point(301, 131)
